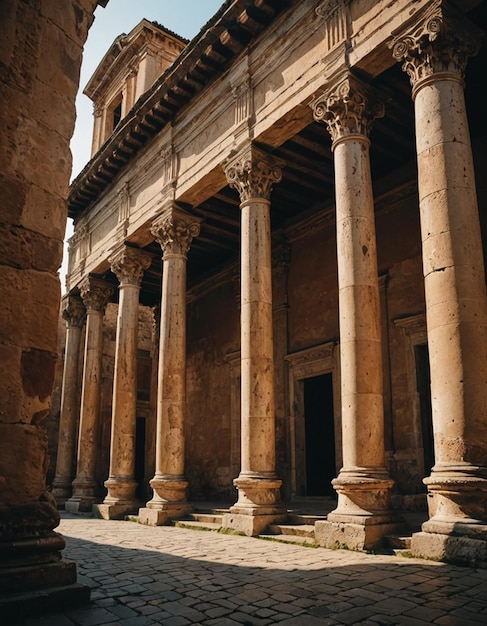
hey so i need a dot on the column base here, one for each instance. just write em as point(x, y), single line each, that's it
point(364, 515)
point(116, 510)
point(258, 505)
point(83, 497)
point(79, 504)
point(62, 490)
point(455, 547)
point(168, 503)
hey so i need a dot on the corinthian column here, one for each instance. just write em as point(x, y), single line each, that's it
point(434, 55)
point(174, 230)
point(128, 264)
point(252, 173)
point(74, 313)
point(363, 515)
point(95, 294)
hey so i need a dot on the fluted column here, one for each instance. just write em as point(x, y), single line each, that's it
point(128, 264)
point(174, 230)
point(252, 173)
point(363, 515)
point(73, 311)
point(95, 294)
point(434, 55)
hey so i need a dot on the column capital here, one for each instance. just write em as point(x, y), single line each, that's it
point(348, 108)
point(95, 293)
point(252, 172)
point(174, 230)
point(438, 42)
point(128, 265)
point(73, 311)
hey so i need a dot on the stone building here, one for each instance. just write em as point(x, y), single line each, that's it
point(307, 172)
point(299, 200)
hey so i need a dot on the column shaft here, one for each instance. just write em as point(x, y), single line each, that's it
point(128, 264)
point(74, 313)
point(363, 514)
point(435, 57)
point(95, 294)
point(174, 230)
point(253, 173)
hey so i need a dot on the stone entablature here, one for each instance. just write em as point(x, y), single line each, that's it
point(184, 164)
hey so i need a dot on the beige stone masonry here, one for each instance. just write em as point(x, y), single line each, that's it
point(95, 294)
point(174, 230)
point(74, 313)
point(252, 173)
point(434, 53)
point(128, 264)
point(363, 514)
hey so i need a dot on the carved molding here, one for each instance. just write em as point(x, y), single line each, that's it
point(348, 108)
point(252, 173)
point(95, 293)
point(174, 230)
point(73, 311)
point(128, 265)
point(124, 203)
point(440, 42)
point(242, 94)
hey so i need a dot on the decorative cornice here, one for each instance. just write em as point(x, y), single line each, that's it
point(174, 230)
point(348, 108)
point(228, 30)
point(95, 293)
point(440, 42)
point(252, 173)
point(73, 311)
point(128, 265)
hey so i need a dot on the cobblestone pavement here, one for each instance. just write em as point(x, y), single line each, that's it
point(142, 575)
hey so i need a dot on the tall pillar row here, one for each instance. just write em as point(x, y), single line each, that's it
point(128, 264)
point(252, 173)
point(434, 54)
point(74, 312)
point(363, 514)
point(95, 294)
point(174, 230)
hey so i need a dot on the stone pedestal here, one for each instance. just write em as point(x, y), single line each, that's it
point(95, 294)
point(174, 230)
point(128, 264)
point(363, 514)
point(74, 313)
point(253, 173)
point(434, 54)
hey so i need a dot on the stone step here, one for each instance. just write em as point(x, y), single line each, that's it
point(197, 524)
point(304, 518)
point(213, 517)
point(298, 539)
point(296, 530)
point(398, 542)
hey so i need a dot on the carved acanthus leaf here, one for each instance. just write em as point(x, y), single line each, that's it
point(252, 173)
point(174, 230)
point(128, 265)
point(440, 43)
point(349, 108)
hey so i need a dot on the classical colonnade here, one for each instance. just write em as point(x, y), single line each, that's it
point(434, 55)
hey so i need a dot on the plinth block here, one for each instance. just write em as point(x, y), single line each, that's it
point(367, 535)
point(115, 511)
point(251, 524)
point(460, 550)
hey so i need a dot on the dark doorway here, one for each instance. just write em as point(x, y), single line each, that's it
point(423, 387)
point(319, 426)
point(139, 470)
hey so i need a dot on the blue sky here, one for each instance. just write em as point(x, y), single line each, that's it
point(184, 17)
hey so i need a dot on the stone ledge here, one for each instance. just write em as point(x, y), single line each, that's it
point(18, 606)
